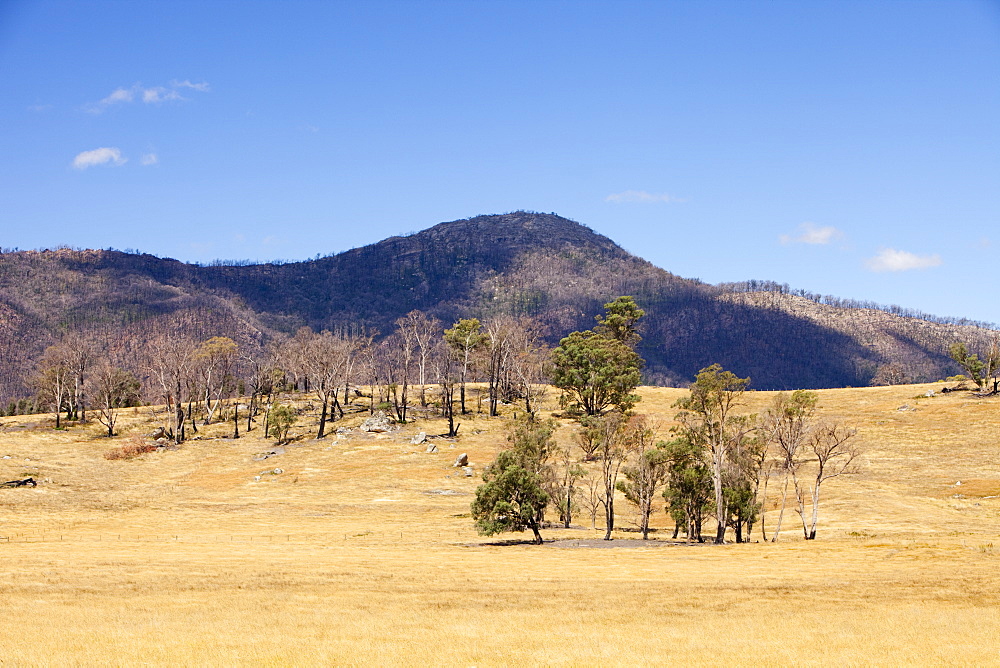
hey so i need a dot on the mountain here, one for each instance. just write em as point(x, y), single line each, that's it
point(541, 265)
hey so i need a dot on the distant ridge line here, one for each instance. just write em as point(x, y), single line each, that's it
point(755, 285)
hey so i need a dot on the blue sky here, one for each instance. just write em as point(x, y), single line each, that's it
point(846, 148)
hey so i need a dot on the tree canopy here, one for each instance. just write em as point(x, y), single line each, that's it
point(596, 372)
point(512, 496)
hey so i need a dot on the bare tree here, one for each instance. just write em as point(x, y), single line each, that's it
point(447, 369)
point(499, 331)
point(325, 365)
point(54, 379)
point(402, 349)
point(465, 338)
point(260, 368)
point(113, 388)
point(170, 361)
point(617, 439)
point(78, 352)
point(293, 357)
point(214, 361)
point(592, 497)
point(563, 483)
point(834, 450)
point(645, 477)
point(786, 425)
point(527, 358)
point(421, 333)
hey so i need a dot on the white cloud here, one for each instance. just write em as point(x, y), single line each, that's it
point(160, 94)
point(99, 156)
point(890, 259)
point(149, 159)
point(149, 95)
point(811, 233)
point(119, 95)
point(202, 87)
point(630, 196)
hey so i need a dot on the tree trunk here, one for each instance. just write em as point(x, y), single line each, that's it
point(781, 513)
point(179, 416)
point(322, 420)
point(811, 534)
point(609, 516)
point(538, 536)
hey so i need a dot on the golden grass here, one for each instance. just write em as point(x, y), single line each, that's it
point(352, 556)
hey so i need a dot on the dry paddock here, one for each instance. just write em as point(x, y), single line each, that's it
point(361, 551)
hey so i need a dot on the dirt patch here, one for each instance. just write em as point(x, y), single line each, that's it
point(597, 543)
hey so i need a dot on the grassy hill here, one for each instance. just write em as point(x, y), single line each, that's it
point(361, 550)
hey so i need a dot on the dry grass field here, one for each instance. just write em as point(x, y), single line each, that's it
point(361, 551)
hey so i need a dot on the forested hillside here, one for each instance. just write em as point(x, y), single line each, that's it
point(540, 265)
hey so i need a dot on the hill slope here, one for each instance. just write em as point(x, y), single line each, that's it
point(542, 265)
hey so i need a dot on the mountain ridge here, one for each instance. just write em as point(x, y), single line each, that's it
point(541, 265)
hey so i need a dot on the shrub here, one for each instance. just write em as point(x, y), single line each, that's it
point(130, 450)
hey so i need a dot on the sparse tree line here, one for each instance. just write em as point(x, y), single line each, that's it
point(840, 302)
point(716, 464)
point(421, 365)
point(713, 468)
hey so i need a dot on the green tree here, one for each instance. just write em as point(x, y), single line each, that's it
point(741, 482)
point(281, 419)
point(979, 370)
point(512, 496)
point(706, 418)
point(619, 321)
point(596, 372)
point(689, 486)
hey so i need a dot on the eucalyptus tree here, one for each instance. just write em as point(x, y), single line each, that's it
point(707, 418)
point(647, 474)
point(787, 424)
point(979, 369)
point(834, 449)
point(512, 496)
point(112, 389)
point(215, 360)
point(465, 339)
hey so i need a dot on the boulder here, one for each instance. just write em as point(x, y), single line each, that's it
point(432, 448)
point(468, 471)
point(419, 438)
point(463, 460)
point(157, 434)
point(379, 423)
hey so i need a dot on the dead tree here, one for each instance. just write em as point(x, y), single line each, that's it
point(834, 450)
